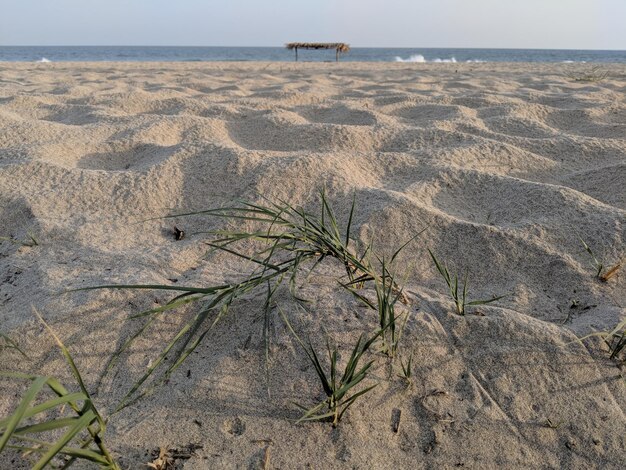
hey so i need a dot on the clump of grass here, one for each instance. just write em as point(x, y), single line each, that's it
point(594, 74)
point(602, 274)
point(597, 265)
point(387, 297)
point(615, 339)
point(290, 238)
point(386, 306)
point(458, 296)
point(29, 241)
point(35, 415)
point(339, 391)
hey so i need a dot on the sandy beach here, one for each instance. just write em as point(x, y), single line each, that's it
point(504, 168)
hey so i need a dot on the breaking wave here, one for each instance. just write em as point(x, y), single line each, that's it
point(419, 58)
point(413, 58)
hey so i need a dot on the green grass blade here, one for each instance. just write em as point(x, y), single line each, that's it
point(440, 268)
point(359, 297)
point(354, 379)
point(73, 368)
point(314, 409)
point(265, 263)
point(174, 303)
point(46, 426)
point(344, 389)
point(397, 252)
point(352, 399)
point(483, 302)
point(347, 242)
point(11, 344)
point(48, 405)
point(464, 300)
point(353, 361)
point(75, 453)
point(365, 277)
point(331, 215)
point(195, 290)
point(320, 371)
point(18, 375)
point(81, 425)
point(18, 414)
point(596, 264)
point(151, 369)
point(314, 417)
point(332, 355)
point(267, 309)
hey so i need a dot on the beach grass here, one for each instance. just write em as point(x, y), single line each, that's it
point(387, 296)
point(290, 238)
point(598, 266)
point(459, 296)
point(72, 416)
point(615, 339)
point(339, 392)
point(602, 272)
point(30, 240)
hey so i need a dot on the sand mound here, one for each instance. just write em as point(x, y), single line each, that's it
point(503, 166)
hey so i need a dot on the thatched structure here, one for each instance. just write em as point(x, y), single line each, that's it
point(340, 47)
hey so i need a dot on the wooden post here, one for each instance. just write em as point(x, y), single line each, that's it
point(337, 55)
point(296, 49)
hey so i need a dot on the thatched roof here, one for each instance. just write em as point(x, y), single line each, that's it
point(338, 46)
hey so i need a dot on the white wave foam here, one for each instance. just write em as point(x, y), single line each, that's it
point(413, 58)
point(43, 59)
point(419, 58)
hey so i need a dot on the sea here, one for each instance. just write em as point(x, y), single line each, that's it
point(280, 54)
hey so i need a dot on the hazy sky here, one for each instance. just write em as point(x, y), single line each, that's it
point(558, 24)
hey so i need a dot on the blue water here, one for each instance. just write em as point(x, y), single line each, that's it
point(279, 54)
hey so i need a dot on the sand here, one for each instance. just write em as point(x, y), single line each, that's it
point(503, 165)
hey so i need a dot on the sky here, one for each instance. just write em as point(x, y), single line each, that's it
point(528, 24)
